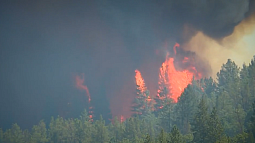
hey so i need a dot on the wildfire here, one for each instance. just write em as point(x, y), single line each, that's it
point(176, 81)
point(140, 83)
point(79, 85)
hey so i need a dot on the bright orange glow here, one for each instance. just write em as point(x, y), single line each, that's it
point(141, 84)
point(79, 85)
point(139, 81)
point(175, 81)
point(178, 80)
point(122, 119)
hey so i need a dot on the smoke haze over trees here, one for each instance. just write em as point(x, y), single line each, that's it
point(207, 111)
point(44, 44)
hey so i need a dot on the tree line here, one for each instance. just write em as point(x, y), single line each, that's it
point(208, 111)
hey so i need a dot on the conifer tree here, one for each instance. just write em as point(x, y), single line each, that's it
point(175, 135)
point(200, 124)
point(215, 129)
point(166, 117)
point(14, 135)
point(162, 137)
point(101, 134)
point(186, 108)
point(39, 133)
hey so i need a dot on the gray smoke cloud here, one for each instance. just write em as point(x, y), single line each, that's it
point(216, 18)
point(44, 42)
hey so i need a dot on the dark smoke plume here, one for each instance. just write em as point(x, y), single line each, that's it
point(44, 42)
point(215, 18)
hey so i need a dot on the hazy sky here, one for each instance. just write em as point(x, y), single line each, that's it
point(44, 44)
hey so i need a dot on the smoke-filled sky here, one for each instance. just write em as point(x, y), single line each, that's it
point(45, 44)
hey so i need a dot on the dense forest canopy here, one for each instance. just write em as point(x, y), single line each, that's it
point(208, 111)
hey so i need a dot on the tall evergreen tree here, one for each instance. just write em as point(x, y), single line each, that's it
point(186, 108)
point(160, 98)
point(175, 135)
point(166, 117)
point(200, 124)
point(14, 135)
point(101, 134)
point(39, 133)
point(162, 137)
point(215, 129)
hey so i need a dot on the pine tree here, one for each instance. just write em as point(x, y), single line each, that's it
point(147, 139)
point(39, 133)
point(252, 120)
point(142, 104)
point(186, 108)
point(117, 128)
point(175, 136)
point(166, 117)
point(14, 135)
point(160, 99)
point(101, 134)
point(215, 129)
point(230, 99)
point(162, 137)
point(200, 124)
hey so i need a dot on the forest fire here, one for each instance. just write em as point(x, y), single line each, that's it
point(79, 84)
point(141, 84)
point(174, 80)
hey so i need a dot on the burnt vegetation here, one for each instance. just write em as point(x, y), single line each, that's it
point(207, 111)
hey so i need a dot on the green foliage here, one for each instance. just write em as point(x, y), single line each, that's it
point(208, 111)
point(39, 133)
point(186, 108)
point(215, 128)
point(200, 125)
point(166, 117)
point(162, 137)
point(13, 135)
point(175, 136)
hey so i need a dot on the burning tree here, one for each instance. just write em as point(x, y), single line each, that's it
point(142, 104)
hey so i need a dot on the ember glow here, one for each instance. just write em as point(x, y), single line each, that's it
point(171, 78)
point(79, 85)
point(176, 81)
point(140, 81)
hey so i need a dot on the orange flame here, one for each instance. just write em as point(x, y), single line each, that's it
point(79, 85)
point(122, 119)
point(176, 81)
point(139, 81)
point(176, 46)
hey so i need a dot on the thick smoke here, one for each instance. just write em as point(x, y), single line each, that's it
point(44, 42)
point(215, 18)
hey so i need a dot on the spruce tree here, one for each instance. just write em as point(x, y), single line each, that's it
point(200, 124)
point(175, 135)
point(215, 129)
point(39, 133)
